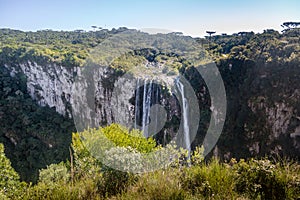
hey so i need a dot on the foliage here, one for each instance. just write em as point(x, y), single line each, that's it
point(111, 181)
point(115, 182)
point(205, 180)
point(10, 185)
point(54, 173)
point(62, 47)
point(122, 137)
point(253, 179)
point(34, 136)
point(289, 25)
point(71, 48)
point(261, 178)
point(267, 47)
point(83, 164)
point(197, 156)
point(81, 189)
point(158, 185)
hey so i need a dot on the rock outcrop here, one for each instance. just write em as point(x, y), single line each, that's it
point(263, 103)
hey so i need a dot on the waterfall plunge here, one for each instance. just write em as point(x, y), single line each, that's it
point(150, 97)
point(137, 96)
point(146, 107)
point(185, 112)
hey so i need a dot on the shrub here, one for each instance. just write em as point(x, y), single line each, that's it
point(209, 180)
point(288, 173)
point(122, 137)
point(257, 178)
point(54, 173)
point(83, 164)
point(95, 148)
point(115, 182)
point(158, 185)
point(10, 185)
point(81, 189)
point(3, 196)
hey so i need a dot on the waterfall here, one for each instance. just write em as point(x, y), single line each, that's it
point(185, 113)
point(155, 128)
point(144, 107)
point(150, 97)
point(137, 98)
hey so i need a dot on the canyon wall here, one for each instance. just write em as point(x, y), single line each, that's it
point(263, 115)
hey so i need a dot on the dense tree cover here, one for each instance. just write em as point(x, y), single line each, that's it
point(34, 136)
point(68, 48)
point(71, 48)
point(267, 47)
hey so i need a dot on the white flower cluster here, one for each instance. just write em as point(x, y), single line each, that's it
point(130, 160)
point(124, 159)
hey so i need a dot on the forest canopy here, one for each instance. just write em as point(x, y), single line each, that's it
point(72, 48)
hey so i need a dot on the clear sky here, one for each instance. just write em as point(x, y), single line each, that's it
point(192, 17)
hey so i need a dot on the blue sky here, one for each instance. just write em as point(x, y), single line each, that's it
point(192, 17)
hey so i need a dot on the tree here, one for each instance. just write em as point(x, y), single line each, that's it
point(210, 33)
point(10, 184)
point(289, 25)
point(94, 27)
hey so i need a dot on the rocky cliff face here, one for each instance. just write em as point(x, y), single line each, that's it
point(49, 85)
point(263, 110)
point(263, 103)
point(101, 96)
point(276, 105)
point(95, 96)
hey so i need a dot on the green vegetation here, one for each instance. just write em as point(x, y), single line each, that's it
point(37, 139)
point(34, 136)
point(269, 47)
point(87, 178)
point(71, 48)
point(47, 46)
point(10, 186)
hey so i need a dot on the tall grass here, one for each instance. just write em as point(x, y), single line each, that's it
point(253, 179)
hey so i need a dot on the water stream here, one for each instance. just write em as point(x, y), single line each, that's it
point(185, 112)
